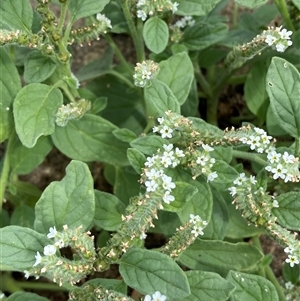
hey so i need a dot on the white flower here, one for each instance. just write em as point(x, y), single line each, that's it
point(155, 129)
point(194, 218)
point(202, 160)
point(174, 7)
point(168, 147)
point(143, 235)
point(179, 153)
point(157, 296)
point(284, 34)
point(288, 250)
point(147, 298)
point(49, 250)
point(60, 243)
point(288, 158)
point(254, 142)
point(151, 185)
point(153, 174)
point(160, 120)
point(150, 161)
point(279, 172)
point(280, 47)
point(240, 179)
point(197, 231)
point(167, 183)
point(207, 148)
point(104, 19)
point(270, 40)
point(2, 296)
point(38, 259)
point(167, 198)
point(275, 204)
point(211, 176)
point(141, 14)
point(273, 156)
point(289, 285)
point(52, 232)
point(26, 274)
point(232, 190)
point(166, 132)
point(292, 260)
point(252, 180)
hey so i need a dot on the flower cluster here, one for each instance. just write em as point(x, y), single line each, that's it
point(59, 268)
point(72, 111)
point(106, 23)
point(278, 38)
point(176, 29)
point(156, 181)
point(283, 166)
point(144, 73)
point(147, 8)
point(157, 296)
point(198, 225)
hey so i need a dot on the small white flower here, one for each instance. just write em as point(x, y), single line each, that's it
point(273, 156)
point(197, 231)
point(141, 14)
point(252, 180)
point(288, 250)
point(289, 285)
point(160, 120)
point(168, 147)
point(211, 176)
point(280, 47)
point(232, 190)
point(240, 179)
point(275, 204)
point(26, 274)
point(270, 40)
point(49, 250)
point(167, 198)
point(194, 219)
point(292, 260)
point(147, 298)
point(202, 160)
point(279, 172)
point(143, 235)
point(104, 19)
point(284, 34)
point(155, 129)
point(207, 148)
point(179, 153)
point(174, 7)
point(254, 142)
point(151, 185)
point(150, 161)
point(166, 132)
point(2, 296)
point(38, 259)
point(167, 183)
point(288, 158)
point(52, 232)
point(153, 174)
point(60, 244)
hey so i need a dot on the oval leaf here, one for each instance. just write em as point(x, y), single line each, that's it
point(91, 139)
point(195, 7)
point(38, 67)
point(207, 286)
point(283, 86)
point(251, 3)
point(288, 212)
point(159, 98)
point(251, 288)
point(35, 108)
point(68, 202)
point(18, 246)
point(136, 159)
point(25, 296)
point(156, 34)
point(109, 210)
point(150, 271)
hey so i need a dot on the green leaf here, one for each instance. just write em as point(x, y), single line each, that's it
point(195, 7)
point(183, 192)
point(251, 3)
point(207, 286)
point(220, 256)
point(23, 216)
point(19, 246)
point(10, 84)
point(136, 159)
point(273, 127)
point(124, 135)
point(255, 90)
point(149, 144)
point(177, 73)
point(23, 160)
point(70, 201)
point(83, 8)
point(296, 3)
point(251, 288)
point(16, 14)
point(97, 67)
point(150, 271)
point(90, 139)
point(217, 227)
point(35, 108)
point(226, 174)
point(4, 218)
point(159, 98)
point(291, 274)
point(203, 35)
point(284, 96)
point(156, 34)
point(288, 212)
point(222, 153)
point(38, 67)
point(108, 212)
point(25, 296)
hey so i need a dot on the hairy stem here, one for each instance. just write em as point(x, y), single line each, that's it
point(249, 156)
point(282, 8)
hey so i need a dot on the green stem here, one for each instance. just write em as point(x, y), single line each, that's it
point(282, 8)
point(235, 15)
point(66, 90)
point(249, 156)
point(62, 17)
point(139, 47)
point(6, 168)
point(256, 243)
point(237, 79)
point(297, 147)
point(40, 286)
point(202, 81)
point(270, 276)
point(122, 77)
point(118, 53)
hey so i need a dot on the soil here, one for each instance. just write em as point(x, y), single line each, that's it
point(53, 168)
